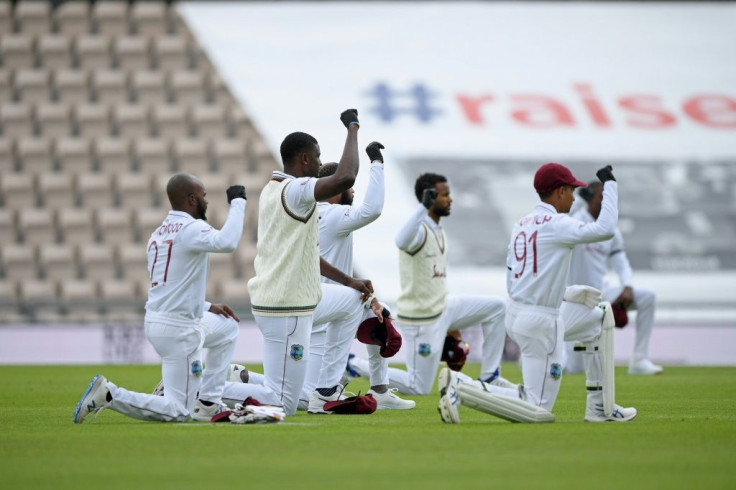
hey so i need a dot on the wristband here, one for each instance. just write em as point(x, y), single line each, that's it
point(354, 122)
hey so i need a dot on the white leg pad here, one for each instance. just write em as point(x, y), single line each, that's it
point(505, 407)
point(606, 354)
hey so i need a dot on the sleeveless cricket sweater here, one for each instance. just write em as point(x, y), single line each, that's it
point(287, 280)
point(423, 286)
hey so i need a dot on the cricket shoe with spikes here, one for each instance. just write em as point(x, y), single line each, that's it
point(93, 400)
point(449, 401)
point(620, 414)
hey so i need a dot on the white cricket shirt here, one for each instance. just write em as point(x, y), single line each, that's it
point(337, 222)
point(541, 245)
point(590, 261)
point(178, 262)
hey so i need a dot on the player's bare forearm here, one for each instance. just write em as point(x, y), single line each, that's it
point(333, 273)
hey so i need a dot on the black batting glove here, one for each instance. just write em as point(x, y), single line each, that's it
point(349, 117)
point(374, 151)
point(429, 197)
point(605, 174)
point(234, 192)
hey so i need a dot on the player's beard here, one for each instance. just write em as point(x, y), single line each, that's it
point(346, 199)
point(201, 211)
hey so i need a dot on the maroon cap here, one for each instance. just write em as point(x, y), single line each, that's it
point(371, 331)
point(550, 176)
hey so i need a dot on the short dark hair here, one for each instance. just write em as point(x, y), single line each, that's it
point(587, 193)
point(295, 144)
point(327, 169)
point(426, 181)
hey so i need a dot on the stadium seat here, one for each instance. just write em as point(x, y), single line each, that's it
point(242, 125)
point(93, 52)
point(111, 18)
point(10, 302)
point(70, 86)
point(113, 155)
point(6, 86)
point(33, 18)
point(53, 120)
point(244, 256)
point(133, 261)
point(172, 53)
point(80, 300)
point(6, 19)
point(222, 266)
point(131, 121)
point(147, 220)
point(152, 156)
point(18, 190)
point(7, 159)
point(95, 190)
point(110, 87)
point(17, 51)
point(32, 86)
point(73, 155)
point(170, 121)
point(97, 261)
point(209, 121)
point(188, 87)
point(134, 190)
point(191, 156)
point(36, 225)
point(34, 155)
point(19, 262)
point(230, 155)
point(149, 87)
point(16, 120)
point(58, 261)
point(72, 18)
point(91, 120)
point(114, 225)
point(121, 300)
point(150, 19)
point(233, 291)
point(56, 190)
point(76, 226)
point(54, 52)
point(132, 53)
point(40, 300)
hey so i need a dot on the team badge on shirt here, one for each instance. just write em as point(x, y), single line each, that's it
point(424, 350)
point(297, 352)
point(555, 371)
point(197, 368)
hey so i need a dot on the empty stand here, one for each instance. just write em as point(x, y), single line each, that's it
point(76, 226)
point(131, 121)
point(150, 19)
point(152, 157)
point(113, 155)
point(209, 121)
point(16, 120)
point(110, 86)
point(32, 86)
point(95, 190)
point(70, 86)
point(7, 159)
point(19, 262)
point(92, 120)
point(39, 299)
point(93, 52)
point(17, 51)
point(114, 225)
point(6, 86)
point(53, 120)
point(170, 121)
point(97, 261)
point(33, 18)
point(18, 190)
point(231, 156)
point(149, 87)
point(72, 18)
point(133, 261)
point(111, 18)
point(147, 220)
point(188, 87)
point(79, 299)
point(37, 225)
point(132, 53)
point(134, 190)
point(192, 156)
point(172, 53)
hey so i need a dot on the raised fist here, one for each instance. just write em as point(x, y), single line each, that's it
point(234, 192)
point(374, 151)
point(605, 174)
point(349, 117)
point(429, 196)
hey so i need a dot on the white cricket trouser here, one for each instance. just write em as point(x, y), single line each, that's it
point(423, 344)
point(644, 301)
point(285, 354)
point(180, 348)
point(221, 333)
point(336, 321)
point(540, 333)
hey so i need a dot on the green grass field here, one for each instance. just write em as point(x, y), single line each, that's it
point(683, 437)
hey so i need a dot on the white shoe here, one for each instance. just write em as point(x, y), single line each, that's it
point(317, 400)
point(502, 382)
point(203, 413)
point(620, 414)
point(235, 372)
point(646, 367)
point(449, 401)
point(389, 400)
point(93, 400)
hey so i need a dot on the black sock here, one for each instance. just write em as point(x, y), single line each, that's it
point(206, 403)
point(108, 397)
point(380, 389)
